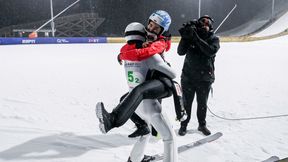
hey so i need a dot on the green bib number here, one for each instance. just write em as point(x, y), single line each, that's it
point(131, 77)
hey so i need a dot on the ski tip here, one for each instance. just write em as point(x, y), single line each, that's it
point(272, 159)
point(217, 134)
point(283, 160)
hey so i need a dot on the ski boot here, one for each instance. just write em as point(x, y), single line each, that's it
point(140, 131)
point(105, 119)
point(204, 130)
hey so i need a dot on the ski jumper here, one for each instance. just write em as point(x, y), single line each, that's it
point(151, 89)
point(162, 44)
point(150, 109)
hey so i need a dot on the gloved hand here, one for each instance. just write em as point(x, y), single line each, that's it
point(191, 23)
point(119, 59)
point(187, 32)
point(182, 31)
point(188, 29)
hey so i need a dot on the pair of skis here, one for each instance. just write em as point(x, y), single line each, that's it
point(188, 146)
point(208, 139)
point(205, 140)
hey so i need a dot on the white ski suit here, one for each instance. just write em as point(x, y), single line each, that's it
point(150, 110)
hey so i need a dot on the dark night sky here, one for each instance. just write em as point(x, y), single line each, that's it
point(118, 13)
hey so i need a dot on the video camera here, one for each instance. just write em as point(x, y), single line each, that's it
point(188, 29)
point(192, 24)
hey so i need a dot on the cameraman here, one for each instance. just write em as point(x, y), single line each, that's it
point(200, 46)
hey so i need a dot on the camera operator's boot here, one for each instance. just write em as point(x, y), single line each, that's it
point(140, 131)
point(204, 130)
point(105, 118)
point(182, 131)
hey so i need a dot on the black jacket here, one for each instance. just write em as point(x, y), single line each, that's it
point(200, 57)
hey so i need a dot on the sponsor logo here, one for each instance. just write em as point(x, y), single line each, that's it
point(28, 41)
point(93, 40)
point(62, 40)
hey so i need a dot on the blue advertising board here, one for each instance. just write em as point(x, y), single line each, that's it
point(59, 40)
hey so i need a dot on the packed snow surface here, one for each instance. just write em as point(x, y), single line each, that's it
point(48, 95)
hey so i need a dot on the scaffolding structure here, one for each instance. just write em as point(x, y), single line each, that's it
point(76, 25)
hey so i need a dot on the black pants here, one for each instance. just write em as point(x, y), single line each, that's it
point(151, 89)
point(201, 89)
point(137, 120)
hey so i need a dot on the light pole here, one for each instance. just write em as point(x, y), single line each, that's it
point(52, 19)
point(199, 8)
point(226, 17)
point(56, 16)
point(272, 11)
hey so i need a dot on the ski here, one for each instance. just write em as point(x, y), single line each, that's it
point(191, 145)
point(283, 160)
point(272, 159)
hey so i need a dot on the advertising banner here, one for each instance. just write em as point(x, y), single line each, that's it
point(59, 40)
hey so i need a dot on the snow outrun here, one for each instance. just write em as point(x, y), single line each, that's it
point(48, 95)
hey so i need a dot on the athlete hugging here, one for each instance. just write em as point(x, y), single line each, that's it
point(149, 78)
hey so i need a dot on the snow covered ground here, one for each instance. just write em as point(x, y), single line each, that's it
point(48, 94)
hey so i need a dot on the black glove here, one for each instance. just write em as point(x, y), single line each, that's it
point(182, 31)
point(191, 23)
point(187, 32)
point(119, 60)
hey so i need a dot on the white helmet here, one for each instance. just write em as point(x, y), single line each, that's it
point(135, 31)
point(161, 18)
